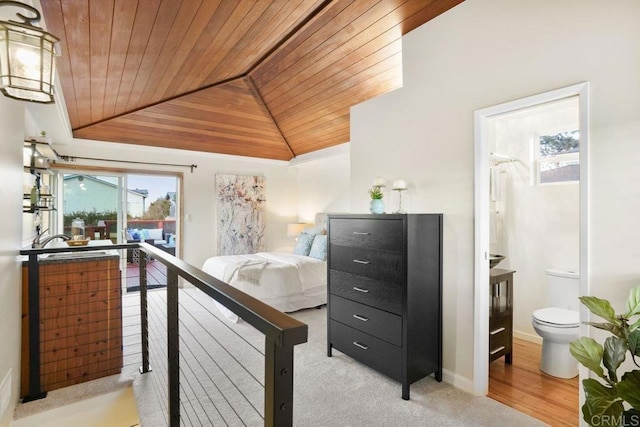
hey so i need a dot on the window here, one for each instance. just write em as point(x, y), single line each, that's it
point(558, 157)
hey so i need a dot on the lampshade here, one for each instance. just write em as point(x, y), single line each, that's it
point(26, 58)
point(399, 184)
point(294, 230)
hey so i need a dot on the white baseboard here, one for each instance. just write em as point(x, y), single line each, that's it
point(458, 381)
point(528, 337)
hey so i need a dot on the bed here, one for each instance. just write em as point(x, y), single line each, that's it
point(286, 281)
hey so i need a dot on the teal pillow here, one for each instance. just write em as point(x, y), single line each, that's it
point(303, 245)
point(319, 247)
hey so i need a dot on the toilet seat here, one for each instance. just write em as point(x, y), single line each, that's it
point(557, 317)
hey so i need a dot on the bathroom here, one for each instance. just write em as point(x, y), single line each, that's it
point(534, 203)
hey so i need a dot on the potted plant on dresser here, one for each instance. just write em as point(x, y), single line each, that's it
point(377, 204)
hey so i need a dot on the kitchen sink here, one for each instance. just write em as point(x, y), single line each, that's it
point(75, 255)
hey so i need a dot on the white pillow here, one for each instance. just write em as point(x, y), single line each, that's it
point(154, 233)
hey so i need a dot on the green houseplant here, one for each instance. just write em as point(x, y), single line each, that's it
point(377, 205)
point(613, 400)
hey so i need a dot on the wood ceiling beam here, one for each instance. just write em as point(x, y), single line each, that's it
point(261, 103)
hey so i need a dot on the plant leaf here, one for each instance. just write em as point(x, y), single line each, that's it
point(633, 339)
point(635, 326)
point(633, 303)
point(614, 351)
point(615, 330)
point(629, 388)
point(599, 401)
point(600, 307)
point(588, 352)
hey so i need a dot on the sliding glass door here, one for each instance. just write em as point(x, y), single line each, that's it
point(123, 207)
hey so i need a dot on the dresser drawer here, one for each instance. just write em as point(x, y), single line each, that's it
point(379, 323)
point(367, 233)
point(381, 265)
point(500, 339)
point(384, 295)
point(371, 351)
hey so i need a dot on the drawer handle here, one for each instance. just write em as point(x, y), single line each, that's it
point(364, 291)
point(360, 233)
point(497, 350)
point(364, 319)
point(362, 346)
point(496, 331)
point(357, 261)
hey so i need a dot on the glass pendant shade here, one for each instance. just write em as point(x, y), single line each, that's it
point(26, 62)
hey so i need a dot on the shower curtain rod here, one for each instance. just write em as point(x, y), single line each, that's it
point(74, 158)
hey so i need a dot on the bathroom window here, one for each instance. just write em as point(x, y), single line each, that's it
point(558, 157)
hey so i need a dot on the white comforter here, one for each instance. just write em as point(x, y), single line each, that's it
point(287, 282)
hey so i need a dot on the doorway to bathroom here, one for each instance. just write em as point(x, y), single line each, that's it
point(530, 194)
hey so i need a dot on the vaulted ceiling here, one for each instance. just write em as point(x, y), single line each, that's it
point(271, 79)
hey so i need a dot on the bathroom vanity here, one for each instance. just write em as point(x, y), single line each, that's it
point(501, 314)
point(80, 318)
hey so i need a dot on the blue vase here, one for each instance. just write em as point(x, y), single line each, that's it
point(376, 206)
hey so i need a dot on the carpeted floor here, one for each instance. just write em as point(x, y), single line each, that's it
point(336, 391)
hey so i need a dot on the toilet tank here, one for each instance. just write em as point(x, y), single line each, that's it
point(564, 289)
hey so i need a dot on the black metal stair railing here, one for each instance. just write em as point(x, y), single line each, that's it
point(281, 331)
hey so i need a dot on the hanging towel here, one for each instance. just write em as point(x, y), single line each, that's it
point(494, 183)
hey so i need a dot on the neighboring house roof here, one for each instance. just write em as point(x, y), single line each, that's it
point(565, 173)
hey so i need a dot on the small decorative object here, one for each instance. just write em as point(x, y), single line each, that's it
point(612, 397)
point(377, 205)
point(43, 138)
point(399, 185)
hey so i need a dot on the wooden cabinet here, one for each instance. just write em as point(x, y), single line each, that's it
point(385, 293)
point(80, 321)
point(501, 314)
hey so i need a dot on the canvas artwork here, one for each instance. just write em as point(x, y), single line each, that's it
point(241, 214)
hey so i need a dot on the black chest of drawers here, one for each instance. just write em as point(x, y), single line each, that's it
point(385, 293)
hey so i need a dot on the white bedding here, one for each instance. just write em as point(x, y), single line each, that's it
point(285, 281)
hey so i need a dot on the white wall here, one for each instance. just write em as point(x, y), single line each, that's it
point(11, 186)
point(323, 186)
point(486, 52)
point(537, 226)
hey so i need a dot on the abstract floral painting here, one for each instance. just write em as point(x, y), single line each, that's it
point(241, 214)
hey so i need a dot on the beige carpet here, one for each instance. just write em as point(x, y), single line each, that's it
point(336, 391)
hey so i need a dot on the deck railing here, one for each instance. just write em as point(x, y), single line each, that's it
point(281, 331)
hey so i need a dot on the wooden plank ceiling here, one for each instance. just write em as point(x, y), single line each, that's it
point(270, 79)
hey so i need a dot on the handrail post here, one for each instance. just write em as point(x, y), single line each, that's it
point(144, 314)
point(35, 387)
point(173, 348)
point(278, 387)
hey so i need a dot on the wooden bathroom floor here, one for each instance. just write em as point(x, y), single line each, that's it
point(523, 386)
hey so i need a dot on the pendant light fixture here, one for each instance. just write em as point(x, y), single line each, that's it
point(26, 57)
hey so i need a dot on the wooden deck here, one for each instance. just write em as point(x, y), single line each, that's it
point(156, 275)
point(523, 386)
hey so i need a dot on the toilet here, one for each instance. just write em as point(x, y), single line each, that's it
point(559, 323)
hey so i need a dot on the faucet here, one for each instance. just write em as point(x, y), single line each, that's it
point(39, 244)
